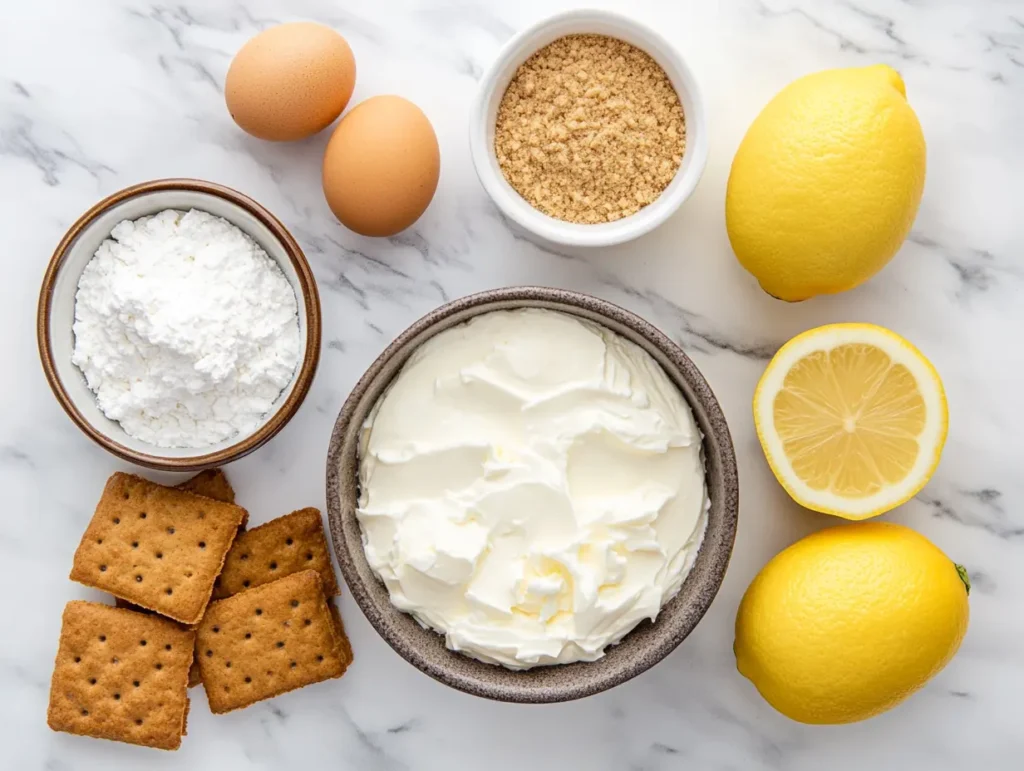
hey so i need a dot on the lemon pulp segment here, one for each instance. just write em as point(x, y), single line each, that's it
point(849, 420)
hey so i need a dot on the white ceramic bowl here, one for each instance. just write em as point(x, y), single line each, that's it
point(56, 315)
point(496, 80)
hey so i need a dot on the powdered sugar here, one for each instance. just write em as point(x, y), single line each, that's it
point(185, 329)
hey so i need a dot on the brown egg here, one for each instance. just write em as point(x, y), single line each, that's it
point(381, 166)
point(290, 81)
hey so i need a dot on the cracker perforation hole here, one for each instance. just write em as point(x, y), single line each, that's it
point(170, 531)
point(103, 568)
point(142, 515)
point(259, 611)
point(159, 666)
point(202, 544)
point(92, 681)
point(245, 583)
point(168, 591)
point(273, 566)
point(289, 541)
point(138, 579)
point(117, 697)
point(248, 635)
point(295, 603)
point(248, 679)
point(142, 642)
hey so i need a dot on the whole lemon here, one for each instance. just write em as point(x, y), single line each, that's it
point(826, 183)
point(848, 622)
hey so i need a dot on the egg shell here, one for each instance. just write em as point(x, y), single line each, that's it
point(290, 81)
point(381, 166)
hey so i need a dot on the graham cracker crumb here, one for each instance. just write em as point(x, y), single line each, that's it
point(590, 130)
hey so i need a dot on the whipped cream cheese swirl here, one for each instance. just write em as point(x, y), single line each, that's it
point(532, 487)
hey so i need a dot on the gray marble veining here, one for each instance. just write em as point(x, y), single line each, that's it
point(95, 96)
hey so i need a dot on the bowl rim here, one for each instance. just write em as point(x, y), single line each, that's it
point(304, 373)
point(556, 231)
point(345, 529)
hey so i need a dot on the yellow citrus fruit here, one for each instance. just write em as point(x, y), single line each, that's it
point(826, 183)
point(852, 419)
point(850, 621)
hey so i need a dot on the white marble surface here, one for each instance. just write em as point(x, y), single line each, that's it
point(98, 95)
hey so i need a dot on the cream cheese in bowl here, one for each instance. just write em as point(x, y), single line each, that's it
point(531, 487)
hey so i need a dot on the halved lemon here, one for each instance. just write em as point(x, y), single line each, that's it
point(852, 419)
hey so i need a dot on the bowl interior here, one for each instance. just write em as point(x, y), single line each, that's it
point(641, 648)
point(62, 306)
point(517, 51)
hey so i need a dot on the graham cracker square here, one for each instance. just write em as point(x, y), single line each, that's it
point(267, 641)
point(277, 549)
point(156, 547)
point(212, 483)
point(121, 675)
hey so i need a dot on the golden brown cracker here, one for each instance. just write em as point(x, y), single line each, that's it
point(267, 641)
point(194, 677)
point(212, 483)
point(121, 675)
point(277, 549)
point(156, 547)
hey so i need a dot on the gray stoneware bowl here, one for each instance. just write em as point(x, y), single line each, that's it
point(642, 648)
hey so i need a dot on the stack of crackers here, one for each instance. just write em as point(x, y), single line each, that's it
point(199, 599)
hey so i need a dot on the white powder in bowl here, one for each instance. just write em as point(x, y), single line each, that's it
point(185, 329)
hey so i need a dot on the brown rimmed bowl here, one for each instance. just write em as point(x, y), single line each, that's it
point(56, 314)
point(642, 648)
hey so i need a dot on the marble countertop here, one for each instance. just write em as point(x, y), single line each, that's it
point(96, 96)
